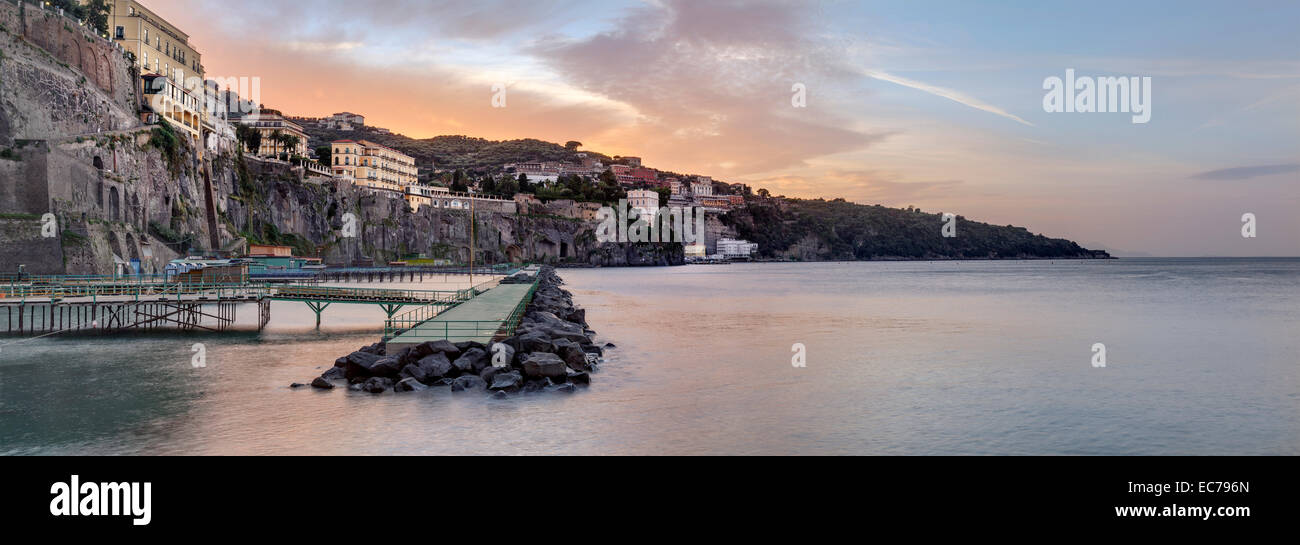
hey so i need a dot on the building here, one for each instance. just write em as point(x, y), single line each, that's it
point(172, 103)
point(377, 166)
point(349, 118)
point(173, 76)
point(702, 186)
point(420, 196)
point(159, 47)
point(271, 123)
point(730, 248)
point(736, 200)
point(645, 202)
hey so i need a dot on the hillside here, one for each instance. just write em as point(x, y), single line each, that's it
point(815, 230)
point(453, 152)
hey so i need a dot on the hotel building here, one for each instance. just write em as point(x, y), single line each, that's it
point(270, 122)
point(171, 68)
point(368, 164)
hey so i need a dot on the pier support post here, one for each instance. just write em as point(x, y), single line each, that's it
point(317, 307)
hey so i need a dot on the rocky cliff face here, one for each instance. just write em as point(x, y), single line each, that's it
point(73, 151)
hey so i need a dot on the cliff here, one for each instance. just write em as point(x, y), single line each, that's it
point(821, 230)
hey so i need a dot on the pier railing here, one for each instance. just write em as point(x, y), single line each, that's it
point(131, 291)
point(414, 324)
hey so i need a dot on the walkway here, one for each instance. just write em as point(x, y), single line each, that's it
point(496, 311)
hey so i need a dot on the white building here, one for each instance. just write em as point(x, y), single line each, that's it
point(731, 248)
point(645, 202)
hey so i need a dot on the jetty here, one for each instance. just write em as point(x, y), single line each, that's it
point(42, 305)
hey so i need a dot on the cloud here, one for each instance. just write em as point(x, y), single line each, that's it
point(1246, 173)
point(950, 94)
point(711, 82)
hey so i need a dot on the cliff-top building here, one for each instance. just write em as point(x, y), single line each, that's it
point(372, 165)
point(169, 65)
point(270, 123)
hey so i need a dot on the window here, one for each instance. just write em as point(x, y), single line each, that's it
point(120, 33)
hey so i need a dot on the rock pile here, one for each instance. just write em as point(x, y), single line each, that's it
point(552, 349)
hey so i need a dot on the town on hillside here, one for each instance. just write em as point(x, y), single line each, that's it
point(217, 119)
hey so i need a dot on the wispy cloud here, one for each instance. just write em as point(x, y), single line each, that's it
point(950, 94)
point(1246, 173)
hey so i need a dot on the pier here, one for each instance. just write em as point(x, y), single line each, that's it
point(50, 305)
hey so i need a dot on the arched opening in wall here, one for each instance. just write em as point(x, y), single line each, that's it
point(98, 162)
point(489, 257)
point(514, 253)
point(564, 249)
point(114, 205)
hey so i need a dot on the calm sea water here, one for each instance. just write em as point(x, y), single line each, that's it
point(902, 358)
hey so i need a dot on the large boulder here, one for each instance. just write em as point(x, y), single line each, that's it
point(359, 363)
point(472, 360)
point(414, 371)
point(443, 346)
point(533, 341)
point(387, 366)
point(334, 373)
point(508, 381)
point(377, 385)
point(321, 383)
point(467, 382)
point(437, 366)
point(544, 364)
point(572, 354)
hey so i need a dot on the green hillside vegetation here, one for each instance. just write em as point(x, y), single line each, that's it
point(843, 230)
point(474, 155)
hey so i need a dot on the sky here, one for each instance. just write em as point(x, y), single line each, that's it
point(933, 104)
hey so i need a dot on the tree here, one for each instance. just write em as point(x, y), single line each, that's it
point(323, 154)
point(250, 137)
point(764, 193)
point(290, 142)
point(572, 145)
point(96, 15)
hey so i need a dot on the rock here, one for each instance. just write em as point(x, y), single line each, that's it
point(572, 354)
point(359, 363)
point(387, 366)
point(376, 349)
point(577, 316)
point(467, 382)
point(579, 377)
point(543, 364)
point(341, 361)
point(443, 346)
point(564, 388)
point(472, 361)
point(490, 372)
point(334, 373)
point(297, 385)
point(377, 385)
point(409, 385)
point(437, 366)
point(466, 345)
point(356, 387)
point(500, 394)
point(533, 341)
point(322, 383)
point(413, 371)
point(510, 380)
point(536, 385)
point(610, 345)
